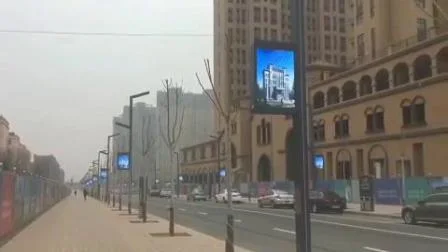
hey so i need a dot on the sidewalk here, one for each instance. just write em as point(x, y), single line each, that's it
point(91, 226)
point(389, 211)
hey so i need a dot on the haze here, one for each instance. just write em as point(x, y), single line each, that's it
point(60, 92)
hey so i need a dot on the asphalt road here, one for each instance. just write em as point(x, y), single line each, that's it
point(273, 229)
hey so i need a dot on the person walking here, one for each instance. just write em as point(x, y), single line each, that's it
point(85, 194)
point(75, 193)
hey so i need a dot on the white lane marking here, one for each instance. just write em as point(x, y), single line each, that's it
point(375, 249)
point(182, 209)
point(202, 213)
point(429, 237)
point(238, 221)
point(382, 230)
point(284, 231)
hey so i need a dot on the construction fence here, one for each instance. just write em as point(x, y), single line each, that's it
point(24, 197)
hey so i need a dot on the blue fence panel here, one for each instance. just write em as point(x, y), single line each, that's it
point(388, 191)
point(325, 185)
point(355, 191)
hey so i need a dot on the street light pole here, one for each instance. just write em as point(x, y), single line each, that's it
point(301, 180)
point(99, 178)
point(108, 166)
point(178, 175)
point(131, 104)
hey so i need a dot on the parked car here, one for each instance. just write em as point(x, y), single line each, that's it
point(197, 194)
point(326, 201)
point(434, 208)
point(276, 198)
point(165, 193)
point(222, 196)
point(155, 192)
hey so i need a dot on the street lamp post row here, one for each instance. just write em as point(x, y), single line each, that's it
point(129, 127)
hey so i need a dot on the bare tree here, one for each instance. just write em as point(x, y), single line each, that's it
point(174, 120)
point(224, 108)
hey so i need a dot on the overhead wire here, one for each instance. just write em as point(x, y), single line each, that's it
point(110, 34)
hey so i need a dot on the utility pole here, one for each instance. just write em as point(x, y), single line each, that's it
point(178, 174)
point(108, 167)
point(301, 181)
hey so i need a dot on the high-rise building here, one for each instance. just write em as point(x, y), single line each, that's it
point(144, 143)
point(196, 124)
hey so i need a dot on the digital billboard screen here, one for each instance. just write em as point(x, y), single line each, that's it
point(274, 78)
point(318, 161)
point(103, 173)
point(123, 161)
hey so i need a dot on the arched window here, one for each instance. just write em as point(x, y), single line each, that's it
point(442, 60)
point(365, 85)
point(382, 80)
point(333, 96)
point(400, 74)
point(422, 67)
point(318, 100)
point(349, 91)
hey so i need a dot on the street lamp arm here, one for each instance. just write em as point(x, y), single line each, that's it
point(122, 125)
point(139, 94)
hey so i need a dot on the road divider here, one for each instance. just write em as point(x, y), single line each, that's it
point(202, 213)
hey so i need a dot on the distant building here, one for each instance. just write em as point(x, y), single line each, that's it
point(4, 136)
point(197, 125)
point(144, 140)
point(47, 166)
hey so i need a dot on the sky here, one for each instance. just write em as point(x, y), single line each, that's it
point(279, 58)
point(60, 92)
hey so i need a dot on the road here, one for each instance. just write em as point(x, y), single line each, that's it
point(273, 229)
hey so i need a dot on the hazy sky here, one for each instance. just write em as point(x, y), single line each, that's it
point(60, 92)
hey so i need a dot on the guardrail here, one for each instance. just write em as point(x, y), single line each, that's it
point(25, 197)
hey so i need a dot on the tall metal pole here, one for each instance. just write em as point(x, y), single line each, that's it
point(301, 182)
point(403, 180)
point(131, 101)
point(99, 175)
point(178, 174)
point(108, 166)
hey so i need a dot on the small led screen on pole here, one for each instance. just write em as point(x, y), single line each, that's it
point(274, 78)
point(123, 161)
point(103, 173)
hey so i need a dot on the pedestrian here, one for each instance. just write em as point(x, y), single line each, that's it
point(85, 194)
point(75, 193)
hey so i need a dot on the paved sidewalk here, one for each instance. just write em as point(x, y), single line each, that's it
point(90, 226)
point(391, 211)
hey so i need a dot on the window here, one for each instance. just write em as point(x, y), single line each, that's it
point(327, 23)
point(335, 24)
point(193, 155)
point(342, 126)
point(233, 127)
point(406, 112)
point(335, 43)
point(421, 29)
point(230, 15)
point(413, 113)
point(343, 44)
point(257, 33)
point(319, 131)
point(421, 3)
point(327, 42)
point(359, 11)
point(259, 135)
point(327, 5)
point(274, 34)
point(264, 133)
point(265, 14)
point(360, 45)
point(375, 120)
point(314, 24)
point(243, 56)
point(202, 152)
point(257, 15)
point(274, 18)
point(243, 36)
point(373, 41)
point(184, 155)
point(243, 16)
point(213, 150)
point(342, 24)
point(342, 6)
point(372, 8)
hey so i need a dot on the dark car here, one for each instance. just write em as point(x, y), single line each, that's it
point(326, 201)
point(434, 208)
point(197, 195)
point(155, 192)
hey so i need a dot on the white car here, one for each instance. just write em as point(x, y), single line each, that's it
point(222, 197)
